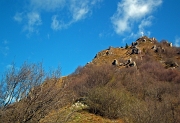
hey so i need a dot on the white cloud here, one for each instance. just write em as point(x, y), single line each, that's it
point(79, 13)
point(79, 9)
point(177, 41)
point(30, 21)
point(31, 16)
point(130, 12)
point(93, 2)
point(57, 24)
point(72, 10)
point(146, 22)
point(33, 20)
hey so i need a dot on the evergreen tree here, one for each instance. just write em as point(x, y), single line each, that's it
point(126, 46)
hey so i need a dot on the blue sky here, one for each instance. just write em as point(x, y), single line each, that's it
point(69, 33)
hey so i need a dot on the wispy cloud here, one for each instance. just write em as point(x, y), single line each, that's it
point(33, 21)
point(93, 2)
point(177, 41)
point(58, 24)
point(30, 21)
point(131, 12)
point(4, 48)
point(73, 11)
point(78, 10)
point(145, 23)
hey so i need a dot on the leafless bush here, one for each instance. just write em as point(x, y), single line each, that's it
point(18, 82)
point(92, 76)
point(38, 99)
point(108, 102)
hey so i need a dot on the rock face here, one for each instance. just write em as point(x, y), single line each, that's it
point(170, 44)
point(134, 44)
point(154, 47)
point(133, 64)
point(115, 62)
point(138, 50)
point(128, 63)
point(171, 64)
point(135, 50)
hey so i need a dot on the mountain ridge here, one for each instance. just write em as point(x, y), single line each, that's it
point(137, 50)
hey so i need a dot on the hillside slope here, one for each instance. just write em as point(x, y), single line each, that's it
point(162, 52)
point(136, 84)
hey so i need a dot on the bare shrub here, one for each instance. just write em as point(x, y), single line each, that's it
point(158, 72)
point(39, 99)
point(113, 103)
point(108, 102)
point(17, 83)
point(169, 75)
point(137, 95)
point(99, 75)
point(92, 76)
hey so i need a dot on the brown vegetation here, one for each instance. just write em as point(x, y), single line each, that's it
point(135, 96)
point(147, 93)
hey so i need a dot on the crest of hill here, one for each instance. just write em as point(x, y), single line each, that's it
point(94, 76)
point(162, 51)
point(62, 99)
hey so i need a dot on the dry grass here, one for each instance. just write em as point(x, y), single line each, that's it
point(80, 116)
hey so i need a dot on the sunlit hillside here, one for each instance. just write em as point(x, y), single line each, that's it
point(139, 83)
